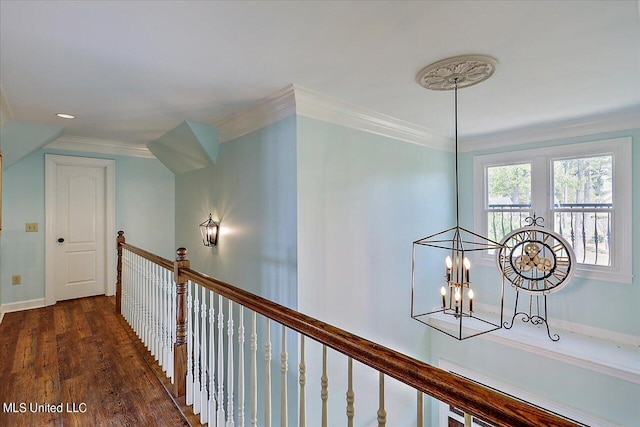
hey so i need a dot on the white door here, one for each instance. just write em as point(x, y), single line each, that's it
point(80, 230)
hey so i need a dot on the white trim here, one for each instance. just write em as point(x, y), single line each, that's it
point(101, 146)
point(597, 352)
point(294, 99)
point(321, 107)
point(577, 328)
point(590, 125)
point(21, 305)
point(550, 405)
point(51, 163)
point(620, 148)
point(276, 107)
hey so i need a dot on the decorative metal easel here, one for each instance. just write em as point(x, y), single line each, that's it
point(536, 315)
point(535, 319)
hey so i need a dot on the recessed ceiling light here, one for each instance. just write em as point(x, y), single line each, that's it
point(65, 116)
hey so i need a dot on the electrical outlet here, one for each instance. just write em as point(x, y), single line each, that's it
point(31, 227)
point(16, 279)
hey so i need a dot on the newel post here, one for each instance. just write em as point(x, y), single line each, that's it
point(180, 346)
point(120, 242)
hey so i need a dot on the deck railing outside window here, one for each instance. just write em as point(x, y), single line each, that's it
point(586, 226)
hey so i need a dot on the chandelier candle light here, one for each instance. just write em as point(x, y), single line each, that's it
point(457, 242)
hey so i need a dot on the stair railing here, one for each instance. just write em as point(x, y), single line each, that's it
point(181, 315)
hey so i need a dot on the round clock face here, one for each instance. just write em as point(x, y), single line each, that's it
point(536, 260)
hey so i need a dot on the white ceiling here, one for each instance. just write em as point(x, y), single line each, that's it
point(131, 70)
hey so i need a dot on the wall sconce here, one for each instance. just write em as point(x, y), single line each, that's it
point(209, 230)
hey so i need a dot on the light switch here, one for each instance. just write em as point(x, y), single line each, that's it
point(16, 279)
point(31, 227)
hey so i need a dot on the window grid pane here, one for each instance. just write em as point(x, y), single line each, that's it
point(588, 228)
point(509, 198)
point(583, 206)
point(503, 219)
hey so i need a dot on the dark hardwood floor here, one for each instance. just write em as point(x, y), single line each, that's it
point(78, 356)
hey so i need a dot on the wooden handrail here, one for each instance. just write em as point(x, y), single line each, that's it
point(473, 398)
point(156, 259)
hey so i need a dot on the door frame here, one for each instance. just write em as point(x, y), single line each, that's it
point(52, 161)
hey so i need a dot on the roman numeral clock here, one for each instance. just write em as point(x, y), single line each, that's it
point(537, 262)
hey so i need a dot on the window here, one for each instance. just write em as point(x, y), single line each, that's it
point(508, 198)
point(582, 191)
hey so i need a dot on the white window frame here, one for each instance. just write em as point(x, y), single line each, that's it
point(541, 160)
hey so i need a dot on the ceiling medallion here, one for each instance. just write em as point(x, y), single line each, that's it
point(464, 70)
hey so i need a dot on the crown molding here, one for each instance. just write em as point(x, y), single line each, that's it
point(321, 107)
point(6, 114)
point(101, 146)
point(274, 108)
point(294, 99)
point(590, 125)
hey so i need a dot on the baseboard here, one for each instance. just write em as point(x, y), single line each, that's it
point(20, 305)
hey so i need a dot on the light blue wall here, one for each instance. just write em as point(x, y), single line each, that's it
point(144, 209)
point(362, 200)
point(251, 190)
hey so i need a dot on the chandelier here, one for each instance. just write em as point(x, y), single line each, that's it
point(447, 265)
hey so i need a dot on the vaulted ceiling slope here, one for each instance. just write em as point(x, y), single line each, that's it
point(132, 71)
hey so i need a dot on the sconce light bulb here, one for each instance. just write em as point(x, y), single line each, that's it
point(448, 262)
point(466, 263)
point(457, 295)
point(443, 291)
point(470, 293)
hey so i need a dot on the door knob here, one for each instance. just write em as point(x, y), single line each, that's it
point(60, 240)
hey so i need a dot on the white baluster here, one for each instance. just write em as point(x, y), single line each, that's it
point(230, 367)
point(145, 303)
point(126, 285)
point(350, 395)
point(161, 315)
point(221, 411)
point(123, 278)
point(189, 380)
point(324, 383)
point(267, 380)
point(303, 383)
point(136, 307)
point(241, 368)
point(131, 282)
point(420, 415)
point(213, 421)
point(283, 380)
point(141, 284)
point(165, 324)
point(172, 321)
point(204, 397)
point(148, 306)
point(152, 308)
point(139, 299)
point(196, 351)
point(382, 413)
point(254, 372)
point(158, 326)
